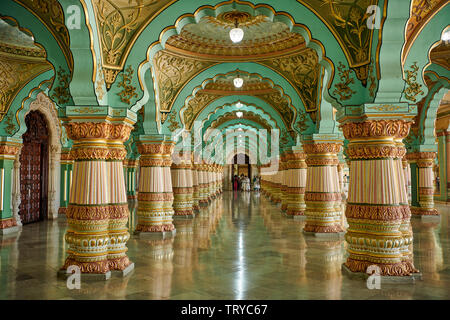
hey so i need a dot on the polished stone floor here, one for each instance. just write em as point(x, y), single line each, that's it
point(240, 247)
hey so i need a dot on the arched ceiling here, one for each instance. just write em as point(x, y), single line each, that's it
point(21, 60)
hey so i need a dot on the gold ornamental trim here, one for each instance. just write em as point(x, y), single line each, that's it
point(376, 128)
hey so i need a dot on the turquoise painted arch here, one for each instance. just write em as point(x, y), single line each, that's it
point(42, 36)
point(152, 39)
point(427, 38)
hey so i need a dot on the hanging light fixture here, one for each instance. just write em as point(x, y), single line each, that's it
point(238, 105)
point(236, 34)
point(446, 36)
point(239, 114)
point(238, 81)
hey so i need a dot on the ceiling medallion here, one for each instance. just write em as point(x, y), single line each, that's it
point(229, 19)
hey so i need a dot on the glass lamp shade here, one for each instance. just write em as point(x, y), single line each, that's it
point(239, 114)
point(446, 36)
point(238, 105)
point(238, 82)
point(236, 35)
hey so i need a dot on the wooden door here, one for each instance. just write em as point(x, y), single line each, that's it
point(34, 169)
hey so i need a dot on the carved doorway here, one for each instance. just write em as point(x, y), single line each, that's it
point(34, 169)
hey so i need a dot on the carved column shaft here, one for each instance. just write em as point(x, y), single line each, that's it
point(97, 212)
point(423, 162)
point(152, 192)
point(195, 185)
point(322, 194)
point(284, 175)
point(377, 208)
point(297, 185)
point(182, 187)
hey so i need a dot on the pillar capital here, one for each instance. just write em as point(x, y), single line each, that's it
point(377, 111)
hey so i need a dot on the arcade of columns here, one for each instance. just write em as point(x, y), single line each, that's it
point(98, 181)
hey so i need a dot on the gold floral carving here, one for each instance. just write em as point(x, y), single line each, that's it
point(61, 92)
point(374, 212)
point(385, 108)
point(430, 156)
point(90, 153)
point(8, 223)
point(280, 103)
point(195, 105)
point(97, 130)
point(319, 196)
point(128, 90)
point(119, 263)
point(101, 266)
point(173, 123)
point(342, 88)
point(9, 150)
point(376, 128)
point(51, 14)
point(303, 69)
point(10, 127)
point(80, 212)
point(386, 269)
point(413, 88)
point(85, 110)
point(172, 72)
point(155, 228)
point(14, 75)
point(334, 228)
point(373, 151)
point(151, 148)
point(322, 148)
point(119, 24)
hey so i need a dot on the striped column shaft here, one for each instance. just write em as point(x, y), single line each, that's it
point(168, 148)
point(322, 195)
point(151, 194)
point(296, 188)
point(97, 212)
point(377, 210)
point(195, 185)
point(182, 188)
point(284, 166)
point(425, 163)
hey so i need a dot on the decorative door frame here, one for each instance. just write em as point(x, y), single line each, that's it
point(44, 105)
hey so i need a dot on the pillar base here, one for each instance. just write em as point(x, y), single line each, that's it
point(417, 211)
point(411, 279)
point(62, 210)
point(160, 235)
point(10, 230)
point(63, 274)
point(123, 273)
point(325, 235)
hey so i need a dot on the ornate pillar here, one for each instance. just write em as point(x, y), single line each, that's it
point(65, 180)
point(297, 185)
point(377, 212)
point(15, 200)
point(182, 188)
point(9, 150)
point(422, 183)
point(195, 187)
point(153, 194)
point(97, 213)
point(276, 190)
point(168, 148)
point(284, 177)
point(210, 179)
point(202, 184)
point(322, 194)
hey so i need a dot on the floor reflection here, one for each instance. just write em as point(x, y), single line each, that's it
point(239, 247)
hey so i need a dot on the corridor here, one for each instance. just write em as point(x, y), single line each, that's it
point(239, 247)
